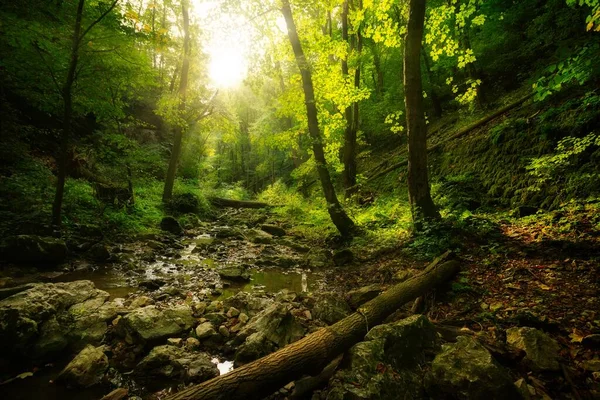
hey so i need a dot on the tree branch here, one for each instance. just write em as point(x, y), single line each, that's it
point(100, 18)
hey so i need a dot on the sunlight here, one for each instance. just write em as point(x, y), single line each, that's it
point(226, 42)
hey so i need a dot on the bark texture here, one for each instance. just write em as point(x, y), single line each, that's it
point(422, 206)
point(340, 219)
point(312, 353)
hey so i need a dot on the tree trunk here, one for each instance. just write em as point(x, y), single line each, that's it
point(185, 68)
point(338, 216)
point(422, 206)
point(351, 113)
point(312, 353)
point(67, 95)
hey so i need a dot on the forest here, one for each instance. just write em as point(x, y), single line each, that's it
point(299, 199)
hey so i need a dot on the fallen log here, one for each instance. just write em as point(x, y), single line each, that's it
point(221, 202)
point(403, 162)
point(312, 353)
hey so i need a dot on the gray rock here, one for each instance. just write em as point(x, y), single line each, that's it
point(273, 327)
point(232, 312)
point(466, 370)
point(330, 308)
point(216, 318)
point(86, 369)
point(229, 233)
point(343, 257)
point(381, 367)
point(273, 230)
point(235, 274)
point(50, 317)
point(247, 303)
point(541, 351)
point(224, 331)
point(358, 297)
point(171, 225)
point(205, 331)
point(33, 249)
point(176, 364)
point(259, 237)
point(141, 301)
point(151, 324)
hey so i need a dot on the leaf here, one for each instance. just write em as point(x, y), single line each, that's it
point(543, 286)
point(576, 336)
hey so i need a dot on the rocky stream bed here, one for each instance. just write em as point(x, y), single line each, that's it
point(142, 317)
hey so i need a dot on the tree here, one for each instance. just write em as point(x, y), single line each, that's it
point(340, 219)
point(67, 96)
point(422, 206)
point(183, 84)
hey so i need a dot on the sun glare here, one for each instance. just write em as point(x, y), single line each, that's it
point(226, 43)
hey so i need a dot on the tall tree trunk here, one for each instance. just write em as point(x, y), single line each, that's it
point(312, 353)
point(67, 95)
point(351, 113)
point(178, 131)
point(435, 98)
point(338, 216)
point(422, 206)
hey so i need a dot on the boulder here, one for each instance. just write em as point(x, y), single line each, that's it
point(247, 303)
point(48, 318)
point(343, 257)
point(330, 308)
point(205, 331)
point(360, 296)
point(99, 252)
point(386, 364)
point(86, 369)
point(541, 351)
point(184, 203)
point(171, 225)
point(152, 324)
point(176, 364)
point(141, 301)
point(235, 274)
point(466, 370)
point(273, 230)
point(33, 249)
point(229, 233)
point(259, 237)
point(272, 328)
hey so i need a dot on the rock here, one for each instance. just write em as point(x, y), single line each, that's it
point(151, 324)
point(247, 303)
point(407, 341)
point(330, 308)
point(141, 301)
point(33, 249)
point(215, 306)
point(175, 341)
point(273, 327)
point(591, 341)
point(318, 258)
point(171, 225)
point(99, 252)
point(295, 246)
point(48, 318)
point(525, 211)
point(273, 230)
point(386, 364)
point(233, 312)
point(358, 297)
point(176, 364)
point(243, 318)
point(229, 233)
point(89, 231)
point(259, 237)
point(205, 331)
point(592, 365)
point(224, 331)
point(216, 318)
point(86, 369)
point(184, 203)
point(343, 257)
point(466, 370)
point(236, 274)
point(192, 343)
point(152, 284)
point(541, 351)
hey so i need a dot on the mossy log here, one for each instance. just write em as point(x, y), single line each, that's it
point(404, 161)
point(223, 203)
point(311, 354)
